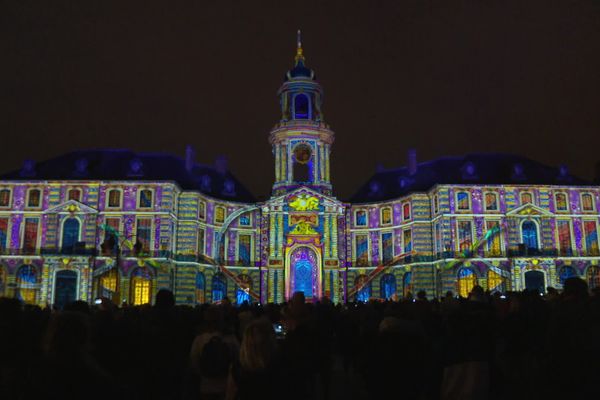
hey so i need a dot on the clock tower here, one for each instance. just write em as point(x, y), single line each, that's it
point(301, 140)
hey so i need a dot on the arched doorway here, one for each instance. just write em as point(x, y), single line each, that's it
point(534, 281)
point(108, 285)
point(65, 288)
point(141, 286)
point(304, 272)
point(407, 285)
point(364, 294)
point(27, 284)
point(219, 287)
point(466, 281)
point(70, 235)
point(388, 286)
point(242, 294)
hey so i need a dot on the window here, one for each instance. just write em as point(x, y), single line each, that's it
point(4, 197)
point(109, 285)
point(219, 214)
point(564, 237)
point(361, 246)
point(387, 286)
point(565, 273)
point(405, 211)
point(245, 220)
point(141, 285)
point(387, 245)
point(526, 198)
point(436, 204)
point(591, 237)
point(70, 235)
point(34, 198)
point(561, 202)
point(360, 218)
point(491, 201)
point(4, 243)
point(114, 198)
point(27, 284)
point(219, 288)
point(466, 281)
point(201, 210)
point(587, 202)
point(200, 242)
point(439, 247)
point(493, 237)
point(242, 293)
point(111, 235)
point(143, 234)
point(301, 106)
point(462, 201)
point(200, 288)
point(244, 249)
point(302, 166)
point(145, 198)
point(529, 235)
point(495, 281)
point(74, 194)
point(364, 288)
point(407, 240)
point(30, 235)
point(593, 276)
point(386, 216)
point(407, 285)
point(465, 236)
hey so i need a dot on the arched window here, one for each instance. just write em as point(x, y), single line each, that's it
point(466, 281)
point(70, 235)
point(561, 202)
point(242, 293)
point(386, 216)
point(200, 288)
point(74, 194)
point(34, 198)
point(463, 202)
point(364, 294)
point(301, 106)
point(141, 286)
point(219, 287)
point(360, 218)
point(108, 285)
point(529, 235)
point(219, 214)
point(4, 197)
point(27, 284)
point(491, 201)
point(145, 200)
point(407, 287)
point(302, 163)
point(388, 286)
point(587, 202)
point(565, 273)
point(114, 198)
point(495, 281)
point(593, 276)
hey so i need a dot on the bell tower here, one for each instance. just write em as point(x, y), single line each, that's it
point(301, 140)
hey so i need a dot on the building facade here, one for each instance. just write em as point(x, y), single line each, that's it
point(122, 225)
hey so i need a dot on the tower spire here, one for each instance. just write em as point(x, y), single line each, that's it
point(299, 51)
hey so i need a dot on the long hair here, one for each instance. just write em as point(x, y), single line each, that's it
point(258, 345)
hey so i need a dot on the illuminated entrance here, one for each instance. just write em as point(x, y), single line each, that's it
point(304, 273)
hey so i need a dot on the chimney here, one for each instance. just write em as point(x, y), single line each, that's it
point(412, 161)
point(221, 164)
point(190, 155)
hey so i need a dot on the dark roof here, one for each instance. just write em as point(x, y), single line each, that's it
point(128, 165)
point(491, 169)
point(300, 71)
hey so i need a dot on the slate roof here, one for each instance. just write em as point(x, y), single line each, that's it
point(112, 164)
point(476, 169)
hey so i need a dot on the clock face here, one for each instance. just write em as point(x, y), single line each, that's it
point(302, 153)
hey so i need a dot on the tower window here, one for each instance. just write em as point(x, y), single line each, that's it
point(301, 106)
point(302, 157)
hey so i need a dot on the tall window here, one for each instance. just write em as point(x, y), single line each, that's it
point(436, 204)
point(407, 287)
point(462, 201)
point(593, 276)
point(144, 234)
point(200, 241)
point(114, 198)
point(201, 210)
point(34, 198)
point(70, 235)
point(109, 284)
point(387, 286)
point(405, 211)
point(465, 235)
point(407, 240)
point(74, 194)
point(495, 282)
point(364, 293)
point(561, 202)
point(145, 198)
point(141, 286)
point(591, 237)
point(242, 293)
point(3, 234)
point(111, 235)
point(244, 249)
point(301, 106)
point(529, 235)
point(439, 247)
point(219, 214)
point(4, 197)
point(491, 201)
point(466, 281)
point(302, 165)
point(386, 216)
point(219, 287)
point(27, 284)
point(587, 202)
point(360, 218)
point(526, 198)
point(30, 235)
point(200, 288)
point(362, 250)
point(387, 244)
point(494, 244)
point(564, 237)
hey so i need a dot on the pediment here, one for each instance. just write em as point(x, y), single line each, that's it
point(528, 210)
point(71, 207)
point(305, 193)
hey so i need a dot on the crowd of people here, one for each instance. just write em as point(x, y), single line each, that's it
point(489, 346)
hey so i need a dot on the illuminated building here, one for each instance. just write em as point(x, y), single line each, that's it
point(122, 225)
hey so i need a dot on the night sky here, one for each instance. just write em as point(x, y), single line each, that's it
point(446, 77)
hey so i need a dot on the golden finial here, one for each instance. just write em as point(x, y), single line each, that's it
point(299, 52)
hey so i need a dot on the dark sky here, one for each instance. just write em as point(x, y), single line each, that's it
point(446, 77)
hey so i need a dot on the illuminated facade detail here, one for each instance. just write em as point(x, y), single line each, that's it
point(194, 229)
